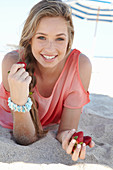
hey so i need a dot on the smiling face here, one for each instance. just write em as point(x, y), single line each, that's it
point(49, 44)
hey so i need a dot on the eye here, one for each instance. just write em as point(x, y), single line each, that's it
point(60, 39)
point(41, 38)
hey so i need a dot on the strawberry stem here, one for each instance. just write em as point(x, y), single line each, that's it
point(75, 145)
point(81, 143)
point(76, 137)
point(30, 93)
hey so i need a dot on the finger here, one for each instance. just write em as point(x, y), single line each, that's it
point(20, 71)
point(18, 75)
point(65, 142)
point(15, 67)
point(76, 153)
point(83, 151)
point(92, 144)
point(70, 146)
point(24, 76)
point(28, 79)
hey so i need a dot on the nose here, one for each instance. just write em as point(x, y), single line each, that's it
point(50, 46)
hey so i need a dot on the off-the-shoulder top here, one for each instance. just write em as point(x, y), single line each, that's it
point(67, 92)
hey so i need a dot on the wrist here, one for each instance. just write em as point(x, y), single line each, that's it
point(19, 102)
point(20, 108)
point(61, 135)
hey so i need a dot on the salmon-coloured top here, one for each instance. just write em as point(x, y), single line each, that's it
point(67, 92)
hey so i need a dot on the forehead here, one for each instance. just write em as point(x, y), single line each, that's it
point(52, 24)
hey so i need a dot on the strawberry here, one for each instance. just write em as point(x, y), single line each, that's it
point(87, 139)
point(78, 136)
point(80, 139)
point(22, 63)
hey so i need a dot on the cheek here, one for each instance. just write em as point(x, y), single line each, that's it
point(35, 47)
point(63, 45)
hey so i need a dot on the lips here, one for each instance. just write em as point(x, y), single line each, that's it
point(49, 57)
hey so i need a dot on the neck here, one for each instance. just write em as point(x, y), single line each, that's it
point(46, 72)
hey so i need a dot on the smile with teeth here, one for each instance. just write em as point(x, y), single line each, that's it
point(49, 57)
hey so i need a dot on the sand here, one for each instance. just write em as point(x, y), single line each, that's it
point(47, 153)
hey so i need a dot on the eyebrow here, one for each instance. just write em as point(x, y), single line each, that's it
point(46, 34)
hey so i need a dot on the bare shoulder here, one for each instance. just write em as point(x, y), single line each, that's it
point(84, 61)
point(7, 62)
point(85, 69)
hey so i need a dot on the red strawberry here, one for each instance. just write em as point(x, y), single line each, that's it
point(78, 136)
point(22, 63)
point(87, 139)
point(80, 139)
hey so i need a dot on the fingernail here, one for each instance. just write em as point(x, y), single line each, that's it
point(78, 146)
point(73, 141)
point(93, 143)
point(84, 145)
point(73, 130)
point(22, 64)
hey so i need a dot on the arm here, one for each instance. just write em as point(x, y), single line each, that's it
point(7, 62)
point(70, 120)
point(23, 127)
point(70, 117)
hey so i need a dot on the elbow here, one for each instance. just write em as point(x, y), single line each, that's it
point(24, 139)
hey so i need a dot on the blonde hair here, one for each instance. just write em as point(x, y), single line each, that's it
point(42, 9)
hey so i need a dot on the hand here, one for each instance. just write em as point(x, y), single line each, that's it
point(19, 81)
point(80, 150)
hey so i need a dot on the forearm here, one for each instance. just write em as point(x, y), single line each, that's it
point(23, 128)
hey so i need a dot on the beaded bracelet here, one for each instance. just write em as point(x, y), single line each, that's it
point(24, 108)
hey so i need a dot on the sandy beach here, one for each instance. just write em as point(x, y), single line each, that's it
point(96, 121)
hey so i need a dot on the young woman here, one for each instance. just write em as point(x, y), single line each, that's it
point(56, 79)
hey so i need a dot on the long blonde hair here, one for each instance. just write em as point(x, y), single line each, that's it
point(51, 8)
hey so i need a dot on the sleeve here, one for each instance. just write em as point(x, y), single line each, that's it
point(76, 96)
point(4, 98)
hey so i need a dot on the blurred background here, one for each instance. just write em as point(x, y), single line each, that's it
point(13, 15)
